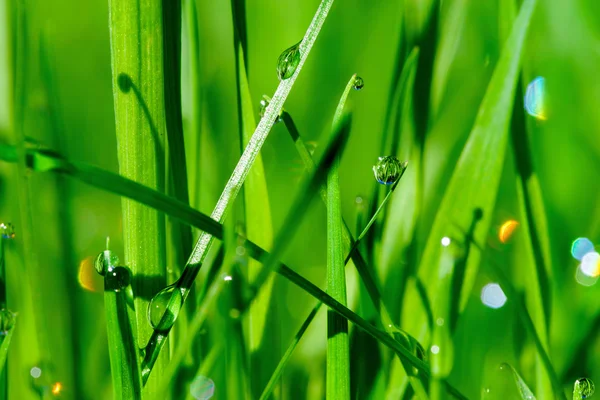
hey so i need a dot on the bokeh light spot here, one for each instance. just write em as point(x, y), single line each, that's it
point(580, 247)
point(88, 278)
point(535, 99)
point(507, 229)
point(583, 279)
point(445, 241)
point(35, 372)
point(56, 388)
point(590, 264)
point(492, 296)
point(202, 388)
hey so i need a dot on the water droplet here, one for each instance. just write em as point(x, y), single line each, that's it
point(584, 387)
point(105, 262)
point(535, 98)
point(388, 170)
point(493, 296)
point(506, 230)
point(590, 264)
point(202, 388)
point(161, 304)
point(580, 247)
point(446, 241)
point(359, 83)
point(7, 230)
point(117, 279)
point(288, 62)
point(7, 321)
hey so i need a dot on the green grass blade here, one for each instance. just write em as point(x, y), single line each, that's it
point(268, 390)
point(256, 200)
point(474, 183)
point(524, 391)
point(5, 339)
point(338, 346)
point(137, 46)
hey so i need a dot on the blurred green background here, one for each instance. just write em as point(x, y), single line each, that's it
point(69, 107)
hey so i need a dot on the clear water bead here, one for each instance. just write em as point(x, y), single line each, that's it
point(105, 262)
point(584, 388)
point(117, 279)
point(288, 62)
point(388, 170)
point(359, 83)
point(159, 306)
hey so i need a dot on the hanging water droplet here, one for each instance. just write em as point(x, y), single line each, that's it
point(161, 304)
point(7, 321)
point(288, 62)
point(584, 388)
point(7, 230)
point(388, 169)
point(117, 279)
point(105, 262)
point(124, 82)
point(359, 83)
point(202, 388)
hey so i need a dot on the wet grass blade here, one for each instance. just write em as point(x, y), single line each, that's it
point(474, 183)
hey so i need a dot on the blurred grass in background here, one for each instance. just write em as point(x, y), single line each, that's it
point(68, 106)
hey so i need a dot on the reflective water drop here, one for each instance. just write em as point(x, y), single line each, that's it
point(288, 62)
point(535, 98)
point(7, 230)
point(583, 388)
point(583, 279)
point(590, 264)
point(580, 247)
point(105, 262)
point(159, 306)
point(124, 82)
point(359, 83)
point(507, 229)
point(493, 296)
point(117, 279)
point(202, 388)
point(7, 321)
point(388, 169)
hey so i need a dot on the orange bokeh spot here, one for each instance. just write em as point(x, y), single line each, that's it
point(507, 229)
point(88, 278)
point(56, 388)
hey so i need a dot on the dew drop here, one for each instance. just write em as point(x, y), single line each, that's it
point(161, 304)
point(388, 170)
point(580, 247)
point(7, 230)
point(535, 99)
point(124, 82)
point(105, 262)
point(117, 279)
point(202, 388)
point(7, 321)
point(288, 62)
point(359, 83)
point(493, 296)
point(590, 264)
point(584, 388)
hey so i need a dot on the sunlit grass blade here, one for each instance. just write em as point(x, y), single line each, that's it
point(474, 183)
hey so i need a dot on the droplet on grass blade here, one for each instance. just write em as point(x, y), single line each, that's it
point(7, 321)
point(359, 83)
point(105, 262)
point(7, 230)
point(583, 388)
point(590, 264)
point(580, 247)
point(388, 170)
point(202, 388)
point(117, 279)
point(535, 99)
point(492, 296)
point(161, 305)
point(288, 62)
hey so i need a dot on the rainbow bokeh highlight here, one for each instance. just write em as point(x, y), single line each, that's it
point(535, 99)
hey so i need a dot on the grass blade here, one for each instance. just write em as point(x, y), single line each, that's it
point(474, 183)
point(524, 391)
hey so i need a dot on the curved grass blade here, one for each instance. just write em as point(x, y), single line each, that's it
point(524, 391)
point(474, 183)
